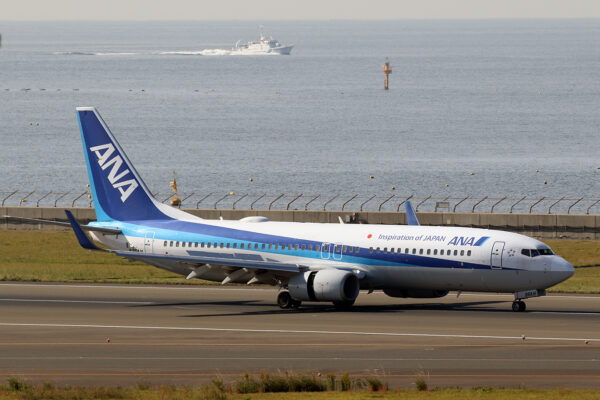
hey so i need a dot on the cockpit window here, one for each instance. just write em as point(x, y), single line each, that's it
point(546, 252)
point(537, 252)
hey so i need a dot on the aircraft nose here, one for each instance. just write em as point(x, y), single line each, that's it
point(561, 269)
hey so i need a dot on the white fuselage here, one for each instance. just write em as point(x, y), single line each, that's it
point(397, 257)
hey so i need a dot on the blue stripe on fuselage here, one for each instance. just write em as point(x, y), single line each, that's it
point(184, 231)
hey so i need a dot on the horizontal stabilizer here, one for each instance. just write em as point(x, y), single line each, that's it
point(411, 216)
point(87, 228)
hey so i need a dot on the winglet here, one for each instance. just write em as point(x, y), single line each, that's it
point(83, 240)
point(411, 217)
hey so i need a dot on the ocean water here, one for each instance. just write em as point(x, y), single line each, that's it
point(475, 108)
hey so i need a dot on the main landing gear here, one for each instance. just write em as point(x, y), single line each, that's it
point(285, 300)
point(518, 306)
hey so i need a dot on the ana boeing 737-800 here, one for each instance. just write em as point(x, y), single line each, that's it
point(312, 262)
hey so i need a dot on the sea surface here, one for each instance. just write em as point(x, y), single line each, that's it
point(475, 108)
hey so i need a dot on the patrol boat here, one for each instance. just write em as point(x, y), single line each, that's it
point(266, 45)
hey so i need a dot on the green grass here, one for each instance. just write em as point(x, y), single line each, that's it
point(18, 390)
point(57, 257)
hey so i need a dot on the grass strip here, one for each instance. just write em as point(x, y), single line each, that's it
point(49, 256)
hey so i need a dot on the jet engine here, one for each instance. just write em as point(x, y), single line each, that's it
point(415, 293)
point(324, 285)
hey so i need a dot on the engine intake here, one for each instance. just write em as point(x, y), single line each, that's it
point(415, 293)
point(324, 285)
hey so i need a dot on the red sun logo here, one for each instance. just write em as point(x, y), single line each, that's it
point(369, 236)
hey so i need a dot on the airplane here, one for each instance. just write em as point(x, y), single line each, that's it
point(310, 262)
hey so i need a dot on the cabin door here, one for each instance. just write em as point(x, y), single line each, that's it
point(149, 242)
point(326, 249)
point(496, 259)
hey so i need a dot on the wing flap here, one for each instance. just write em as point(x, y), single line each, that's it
point(228, 262)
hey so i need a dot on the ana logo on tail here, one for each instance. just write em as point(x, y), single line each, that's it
point(125, 187)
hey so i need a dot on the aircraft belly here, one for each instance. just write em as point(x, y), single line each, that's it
point(486, 280)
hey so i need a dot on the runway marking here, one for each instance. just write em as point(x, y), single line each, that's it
point(75, 301)
point(220, 288)
point(566, 313)
point(307, 332)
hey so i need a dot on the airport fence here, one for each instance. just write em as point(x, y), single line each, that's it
point(327, 202)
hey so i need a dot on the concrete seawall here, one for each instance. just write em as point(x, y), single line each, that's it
point(548, 226)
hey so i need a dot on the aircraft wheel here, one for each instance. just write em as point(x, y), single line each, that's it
point(518, 306)
point(343, 305)
point(284, 300)
point(296, 303)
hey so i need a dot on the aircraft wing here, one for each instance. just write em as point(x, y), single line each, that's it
point(227, 260)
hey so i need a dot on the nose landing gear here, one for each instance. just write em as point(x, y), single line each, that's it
point(518, 306)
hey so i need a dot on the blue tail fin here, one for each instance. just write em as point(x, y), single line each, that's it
point(411, 217)
point(118, 191)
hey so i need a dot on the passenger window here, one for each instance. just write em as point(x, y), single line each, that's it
point(468, 253)
point(406, 250)
point(310, 247)
point(370, 250)
point(420, 251)
point(208, 245)
point(190, 244)
point(344, 249)
point(462, 252)
point(428, 251)
point(289, 246)
point(177, 244)
point(534, 253)
point(455, 252)
point(201, 244)
point(228, 244)
point(296, 247)
point(318, 248)
point(196, 244)
point(357, 250)
point(385, 250)
point(262, 246)
point(221, 244)
point(435, 252)
point(270, 246)
point(165, 245)
point(256, 246)
point(303, 247)
point(234, 245)
point(414, 251)
point(182, 244)
point(171, 243)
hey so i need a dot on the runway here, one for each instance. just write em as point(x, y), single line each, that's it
point(124, 335)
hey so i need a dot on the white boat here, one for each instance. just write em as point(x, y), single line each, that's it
point(266, 45)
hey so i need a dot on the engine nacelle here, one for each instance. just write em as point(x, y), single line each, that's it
point(324, 285)
point(415, 293)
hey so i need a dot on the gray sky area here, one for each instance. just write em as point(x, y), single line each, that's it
point(261, 10)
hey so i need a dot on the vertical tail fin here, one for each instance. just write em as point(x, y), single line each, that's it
point(411, 216)
point(118, 191)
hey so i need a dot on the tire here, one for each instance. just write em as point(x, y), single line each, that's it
point(284, 300)
point(343, 305)
point(518, 306)
point(296, 303)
